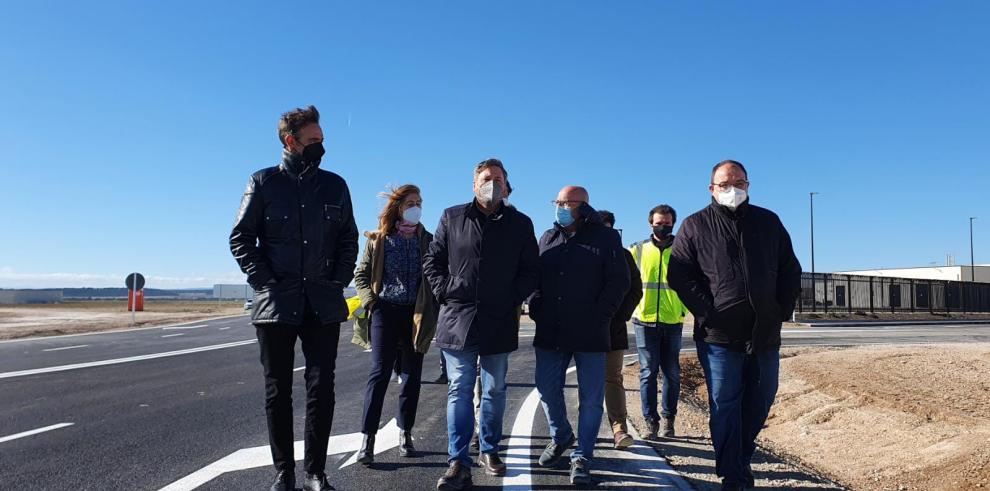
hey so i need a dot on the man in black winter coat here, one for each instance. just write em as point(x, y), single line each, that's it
point(615, 390)
point(482, 263)
point(583, 280)
point(734, 268)
point(296, 240)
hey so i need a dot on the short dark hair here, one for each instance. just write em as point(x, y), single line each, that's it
point(727, 162)
point(607, 216)
point(292, 121)
point(663, 209)
point(488, 163)
point(508, 187)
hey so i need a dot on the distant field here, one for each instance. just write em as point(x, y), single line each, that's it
point(30, 320)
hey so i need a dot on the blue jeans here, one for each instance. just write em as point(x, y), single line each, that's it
point(741, 389)
point(551, 371)
point(659, 353)
point(462, 370)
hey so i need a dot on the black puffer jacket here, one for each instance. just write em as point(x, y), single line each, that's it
point(583, 281)
point(722, 260)
point(481, 269)
point(296, 240)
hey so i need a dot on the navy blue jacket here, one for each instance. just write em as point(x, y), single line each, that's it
point(583, 281)
point(481, 269)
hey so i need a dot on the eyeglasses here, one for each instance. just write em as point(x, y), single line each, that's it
point(567, 204)
point(724, 186)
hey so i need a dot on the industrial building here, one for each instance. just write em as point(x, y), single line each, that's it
point(231, 291)
point(945, 273)
point(10, 297)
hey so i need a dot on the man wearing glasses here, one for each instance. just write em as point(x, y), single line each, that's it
point(732, 264)
point(583, 280)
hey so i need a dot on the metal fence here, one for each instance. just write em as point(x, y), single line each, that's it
point(827, 292)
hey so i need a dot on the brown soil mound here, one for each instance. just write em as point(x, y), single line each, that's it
point(890, 417)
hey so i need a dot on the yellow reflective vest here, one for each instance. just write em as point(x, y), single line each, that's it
point(657, 295)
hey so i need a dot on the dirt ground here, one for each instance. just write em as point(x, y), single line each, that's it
point(20, 321)
point(872, 418)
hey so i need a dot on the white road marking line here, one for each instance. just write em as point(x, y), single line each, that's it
point(261, 456)
point(34, 432)
point(298, 369)
point(115, 361)
point(227, 318)
point(174, 335)
point(224, 328)
point(518, 459)
point(66, 347)
point(184, 327)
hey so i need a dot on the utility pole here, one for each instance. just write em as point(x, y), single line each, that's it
point(811, 197)
point(972, 264)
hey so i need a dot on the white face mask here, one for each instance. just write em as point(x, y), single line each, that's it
point(412, 215)
point(731, 198)
point(490, 193)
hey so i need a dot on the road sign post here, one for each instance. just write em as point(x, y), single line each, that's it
point(135, 284)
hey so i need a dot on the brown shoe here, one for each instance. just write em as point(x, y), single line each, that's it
point(456, 478)
point(492, 463)
point(622, 440)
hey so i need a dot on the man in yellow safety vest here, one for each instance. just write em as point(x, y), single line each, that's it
point(658, 320)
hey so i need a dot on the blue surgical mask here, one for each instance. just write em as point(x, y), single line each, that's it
point(564, 217)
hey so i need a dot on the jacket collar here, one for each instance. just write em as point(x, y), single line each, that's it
point(475, 212)
point(293, 164)
point(725, 212)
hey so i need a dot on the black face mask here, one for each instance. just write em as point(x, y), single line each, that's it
point(662, 231)
point(313, 153)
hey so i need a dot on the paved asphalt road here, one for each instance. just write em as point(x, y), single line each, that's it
point(146, 408)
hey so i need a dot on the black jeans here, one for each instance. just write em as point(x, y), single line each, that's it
point(319, 346)
point(391, 333)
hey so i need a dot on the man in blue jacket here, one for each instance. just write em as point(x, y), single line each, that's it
point(584, 278)
point(482, 263)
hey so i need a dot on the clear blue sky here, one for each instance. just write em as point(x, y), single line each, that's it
point(128, 129)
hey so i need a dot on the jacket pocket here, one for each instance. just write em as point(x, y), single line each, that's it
point(276, 221)
point(456, 289)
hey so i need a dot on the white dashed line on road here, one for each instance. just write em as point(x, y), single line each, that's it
point(34, 432)
point(66, 347)
point(174, 335)
point(115, 361)
point(185, 327)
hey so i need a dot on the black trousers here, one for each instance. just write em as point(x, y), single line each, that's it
point(319, 346)
point(391, 334)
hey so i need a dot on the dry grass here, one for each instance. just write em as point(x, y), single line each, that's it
point(19, 321)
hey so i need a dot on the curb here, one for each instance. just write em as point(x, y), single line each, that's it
point(677, 480)
point(947, 322)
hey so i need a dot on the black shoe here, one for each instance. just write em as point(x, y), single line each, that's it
point(442, 379)
point(366, 456)
point(731, 487)
point(551, 455)
point(406, 448)
point(476, 443)
point(668, 427)
point(284, 481)
point(750, 480)
point(456, 478)
point(579, 472)
point(652, 429)
point(492, 464)
point(317, 482)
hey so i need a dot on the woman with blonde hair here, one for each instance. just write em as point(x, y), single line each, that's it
point(390, 284)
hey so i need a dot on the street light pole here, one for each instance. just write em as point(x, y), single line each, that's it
point(811, 197)
point(972, 264)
